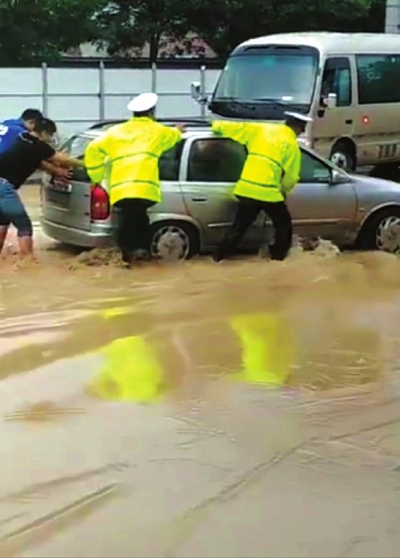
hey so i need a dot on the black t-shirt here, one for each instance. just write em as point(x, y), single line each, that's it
point(23, 158)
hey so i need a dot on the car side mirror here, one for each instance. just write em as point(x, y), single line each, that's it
point(196, 94)
point(338, 177)
point(195, 90)
point(331, 101)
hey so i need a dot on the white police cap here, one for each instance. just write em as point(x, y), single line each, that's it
point(298, 116)
point(143, 102)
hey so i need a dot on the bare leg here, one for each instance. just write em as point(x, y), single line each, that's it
point(3, 235)
point(25, 245)
point(13, 211)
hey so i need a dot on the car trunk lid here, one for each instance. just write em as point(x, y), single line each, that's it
point(77, 204)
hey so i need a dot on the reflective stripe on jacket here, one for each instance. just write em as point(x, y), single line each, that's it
point(132, 150)
point(267, 348)
point(272, 167)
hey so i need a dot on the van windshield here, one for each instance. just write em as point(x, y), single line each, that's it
point(269, 75)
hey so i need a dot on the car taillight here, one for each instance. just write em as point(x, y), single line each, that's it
point(99, 203)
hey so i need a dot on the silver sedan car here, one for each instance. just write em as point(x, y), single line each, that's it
point(198, 176)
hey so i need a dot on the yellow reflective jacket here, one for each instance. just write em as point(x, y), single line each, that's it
point(131, 372)
point(267, 348)
point(272, 167)
point(132, 150)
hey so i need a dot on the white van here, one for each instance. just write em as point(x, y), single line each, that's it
point(348, 82)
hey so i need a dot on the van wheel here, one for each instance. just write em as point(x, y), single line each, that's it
point(174, 240)
point(382, 231)
point(343, 156)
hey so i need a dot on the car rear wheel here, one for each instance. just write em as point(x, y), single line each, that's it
point(382, 231)
point(174, 240)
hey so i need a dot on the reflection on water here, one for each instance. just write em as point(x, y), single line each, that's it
point(267, 347)
point(214, 347)
point(131, 372)
point(142, 352)
point(317, 347)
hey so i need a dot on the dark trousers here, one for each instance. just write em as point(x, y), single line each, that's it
point(247, 213)
point(133, 226)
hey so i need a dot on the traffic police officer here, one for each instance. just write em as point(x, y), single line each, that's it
point(271, 171)
point(132, 150)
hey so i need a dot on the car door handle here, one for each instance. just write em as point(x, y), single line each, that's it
point(200, 199)
point(349, 121)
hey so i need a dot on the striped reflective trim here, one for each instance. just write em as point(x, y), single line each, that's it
point(148, 153)
point(96, 167)
point(151, 182)
point(253, 154)
point(262, 185)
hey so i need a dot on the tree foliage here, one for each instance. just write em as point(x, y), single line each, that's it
point(32, 30)
point(226, 23)
point(126, 25)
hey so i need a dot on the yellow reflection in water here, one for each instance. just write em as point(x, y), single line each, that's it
point(267, 347)
point(132, 370)
point(326, 354)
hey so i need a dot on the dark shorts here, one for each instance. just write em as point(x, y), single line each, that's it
point(12, 210)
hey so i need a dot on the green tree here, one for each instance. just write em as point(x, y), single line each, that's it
point(32, 30)
point(223, 24)
point(124, 26)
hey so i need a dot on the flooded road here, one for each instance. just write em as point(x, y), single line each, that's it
point(200, 410)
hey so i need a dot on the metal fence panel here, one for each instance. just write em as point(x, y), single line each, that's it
point(78, 97)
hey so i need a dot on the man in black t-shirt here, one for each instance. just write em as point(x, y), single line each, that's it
point(17, 164)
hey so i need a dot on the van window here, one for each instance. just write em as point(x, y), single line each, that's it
point(216, 160)
point(337, 79)
point(378, 78)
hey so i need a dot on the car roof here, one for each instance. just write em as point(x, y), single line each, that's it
point(193, 126)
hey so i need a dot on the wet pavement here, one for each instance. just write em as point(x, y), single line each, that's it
point(201, 410)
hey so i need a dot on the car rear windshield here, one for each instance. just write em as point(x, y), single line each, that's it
point(75, 146)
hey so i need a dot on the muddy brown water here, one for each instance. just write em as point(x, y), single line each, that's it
point(247, 408)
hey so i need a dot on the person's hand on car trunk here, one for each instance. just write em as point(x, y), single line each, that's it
point(62, 174)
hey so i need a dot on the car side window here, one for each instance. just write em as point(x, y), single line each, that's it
point(313, 170)
point(169, 163)
point(215, 160)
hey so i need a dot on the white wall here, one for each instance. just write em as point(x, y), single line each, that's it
point(392, 16)
point(74, 97)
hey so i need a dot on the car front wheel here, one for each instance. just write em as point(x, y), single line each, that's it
point(382, 231)
point(174, 240)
